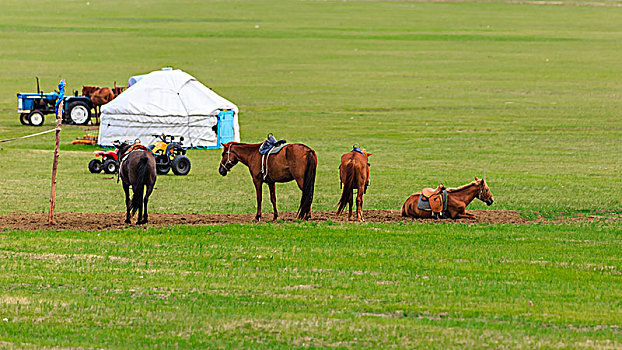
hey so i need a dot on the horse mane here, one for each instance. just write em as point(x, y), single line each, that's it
point(457, 189)
point(233, 143)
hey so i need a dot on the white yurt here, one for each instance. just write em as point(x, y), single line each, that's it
point(169, 102)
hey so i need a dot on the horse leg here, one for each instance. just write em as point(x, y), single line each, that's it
point(272, 187)
point(359, 203)
point(140, 221)
point(465, 215)
point(257, 184)
point(128, 203)
point(145, 216)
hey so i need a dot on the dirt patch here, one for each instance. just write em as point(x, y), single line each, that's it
point(106, 221)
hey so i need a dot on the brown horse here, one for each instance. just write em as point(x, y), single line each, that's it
point(294, 162)
point(354, 174)
point(99, 96)
point(457, 201)
point(136, 168)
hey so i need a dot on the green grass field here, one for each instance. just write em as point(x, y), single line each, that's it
point(320, 286)
point(437, 91)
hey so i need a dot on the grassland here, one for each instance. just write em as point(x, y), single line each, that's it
point(437, 91)
point(316, 286)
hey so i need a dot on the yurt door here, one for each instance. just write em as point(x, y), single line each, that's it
point(225, 126)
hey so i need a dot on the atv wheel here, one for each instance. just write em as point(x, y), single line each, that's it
point(35, 118)
point(23, 118)
point(181, 165)
point(110, 166)
point(163, 164)
point(95, 166)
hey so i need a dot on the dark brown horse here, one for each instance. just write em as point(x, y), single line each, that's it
point(354, 174)
point(137, 168)
point(99, 96)
point(457, 201)
point(294, 162)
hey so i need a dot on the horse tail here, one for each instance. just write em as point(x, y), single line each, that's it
point(304, 211)
point(139, 187)
point(348, 185)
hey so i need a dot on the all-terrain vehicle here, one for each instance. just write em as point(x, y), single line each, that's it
point(109, 163)
point(170, 155)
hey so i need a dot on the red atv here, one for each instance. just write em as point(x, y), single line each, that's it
point(109, 163)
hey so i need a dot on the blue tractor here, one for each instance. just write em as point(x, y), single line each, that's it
point(33, 107)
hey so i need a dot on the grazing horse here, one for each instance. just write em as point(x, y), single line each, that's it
point(457, 201)
point(136, 168)
point(294, 162)
point(354, 174)
point(99, 96)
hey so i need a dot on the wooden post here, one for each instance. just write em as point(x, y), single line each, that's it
point(59, 119)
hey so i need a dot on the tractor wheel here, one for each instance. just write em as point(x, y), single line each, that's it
point(110, 166)
point(79, 113)
point(23, 118)
point(181, 165)
point(36, 118)
point(95, 166)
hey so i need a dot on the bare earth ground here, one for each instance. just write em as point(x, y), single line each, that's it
point(105, 221)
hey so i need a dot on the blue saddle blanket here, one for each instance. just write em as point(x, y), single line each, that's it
point(424, 202)
point(358, 149)
point(271, 145)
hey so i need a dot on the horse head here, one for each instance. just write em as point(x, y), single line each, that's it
point(229, 159)
point(484, 192)
point(122, 148)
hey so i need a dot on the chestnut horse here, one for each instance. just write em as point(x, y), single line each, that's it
point(457, 201)
point(354, 174)
point(99, 96)
point(294, 162)
point(136, 168)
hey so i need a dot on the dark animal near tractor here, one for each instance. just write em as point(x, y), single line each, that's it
point(99, 96)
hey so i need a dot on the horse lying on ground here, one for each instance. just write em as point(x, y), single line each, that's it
point(136, 168)
point(99, 96)
point(293, 162)
point(457, 200)
point(353, 174)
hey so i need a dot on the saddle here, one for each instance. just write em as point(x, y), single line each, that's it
point(269, 143)
point(434, 200)
point(360, 150)
point(137, 146)
point(268, 147)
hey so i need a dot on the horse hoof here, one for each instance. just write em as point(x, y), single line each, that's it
point(128, 222)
